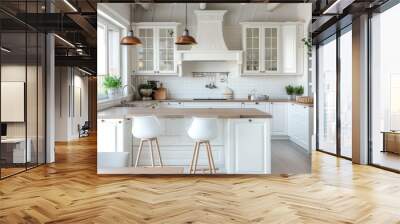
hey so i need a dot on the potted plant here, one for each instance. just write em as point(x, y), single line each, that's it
point(308, 43)
point(290, 92)
point(298, 91)
point(112, 85)
point(146, 91)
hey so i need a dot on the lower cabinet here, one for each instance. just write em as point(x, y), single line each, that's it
point(279, 111)
point(114, 143)
point(114, 135)
point(299, 130)
point(249, 147)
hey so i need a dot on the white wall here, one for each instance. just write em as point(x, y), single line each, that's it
point(187, 86)
point(67, 114)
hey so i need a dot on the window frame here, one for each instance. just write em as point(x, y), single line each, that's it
point(123, 64)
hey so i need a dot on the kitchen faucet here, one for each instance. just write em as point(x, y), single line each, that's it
point(133, 92)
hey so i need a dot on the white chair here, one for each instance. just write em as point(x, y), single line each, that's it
point(202, 130)
point(147, 128)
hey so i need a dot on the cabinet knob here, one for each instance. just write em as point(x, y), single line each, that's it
point(119, 122)
point(102, 120)
point(250, 120)
point(257, 103)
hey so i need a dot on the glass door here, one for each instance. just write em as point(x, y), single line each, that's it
point(327, 96)
point(346, 92)
point(385, 90)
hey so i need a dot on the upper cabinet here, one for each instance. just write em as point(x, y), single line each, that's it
point(156, 54)
point(272, 48)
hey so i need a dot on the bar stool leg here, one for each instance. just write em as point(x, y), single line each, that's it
point(159, 153)
point(139, 151)
point(151, 151)
point(197, 157)
point(193, 157)
point(211, 157)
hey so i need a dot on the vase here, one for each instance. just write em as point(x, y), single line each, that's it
point(291, 97)
point(114, 93)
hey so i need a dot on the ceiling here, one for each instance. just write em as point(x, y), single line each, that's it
point(77, 24)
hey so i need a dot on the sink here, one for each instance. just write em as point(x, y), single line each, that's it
point(126, 105)
point(209, 99)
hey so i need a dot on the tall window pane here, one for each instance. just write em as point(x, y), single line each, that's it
point(385, 84)
point(346, 93)
point(327, 97)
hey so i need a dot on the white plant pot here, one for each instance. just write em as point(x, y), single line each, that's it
point(114, 93)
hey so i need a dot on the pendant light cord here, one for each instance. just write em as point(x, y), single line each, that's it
point(130, 17)
point(186, 16)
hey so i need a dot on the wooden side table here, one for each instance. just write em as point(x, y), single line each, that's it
point(391, 141)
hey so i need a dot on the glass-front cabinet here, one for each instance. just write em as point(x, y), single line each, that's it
point(272, 48)
point(156, 54)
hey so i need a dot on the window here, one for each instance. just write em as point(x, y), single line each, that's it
point(385, 89)
point(327, 96)
point(109, 53)
point(346, 73)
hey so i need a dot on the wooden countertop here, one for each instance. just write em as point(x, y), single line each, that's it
point(223, 113)
point(239, 100)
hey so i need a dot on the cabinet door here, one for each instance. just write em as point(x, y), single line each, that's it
point(252, 49)
point(251, 146)
point(171, 104)
point(271, 49)
point(166, 51)
point(107, 135)
point(145, 51)
point(289, 48)
point(291, 117)
point(279, 118)
point(213, 105)
point(257, 105)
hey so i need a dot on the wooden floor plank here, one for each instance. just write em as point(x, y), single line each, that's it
point(70, 191)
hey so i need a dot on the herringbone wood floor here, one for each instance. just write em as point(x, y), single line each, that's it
point(69, 191)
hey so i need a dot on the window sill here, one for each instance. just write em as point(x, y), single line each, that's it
point(107, 103)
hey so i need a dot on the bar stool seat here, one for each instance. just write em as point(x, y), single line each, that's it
point(147, 128)
point(203, 130)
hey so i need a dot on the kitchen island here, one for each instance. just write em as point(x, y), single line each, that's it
point(243, 144)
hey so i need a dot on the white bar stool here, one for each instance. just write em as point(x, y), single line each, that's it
point(147, 128)
point(202, 130)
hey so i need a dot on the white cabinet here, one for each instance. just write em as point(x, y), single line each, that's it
point(156, 54)
point(213, 105)
point(257, 105)
point(279, 118)
point(113, 135)
point(289, 48)
point(172, 104)
point(272, 48)
point(249, 146)
point(299, 118)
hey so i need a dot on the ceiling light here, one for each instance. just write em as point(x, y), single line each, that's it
point(106, 16)
point(84, 71)
point(71, 6)
point(337, 7)
point(64, 40)
point(131, 39)
point(5, 50)
point(185, 39)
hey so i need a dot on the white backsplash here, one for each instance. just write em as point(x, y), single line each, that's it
point(194, 87)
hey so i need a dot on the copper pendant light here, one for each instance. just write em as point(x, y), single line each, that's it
point(185, 39)
point(130, 39)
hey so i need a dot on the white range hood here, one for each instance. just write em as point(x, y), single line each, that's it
point(210, 45)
